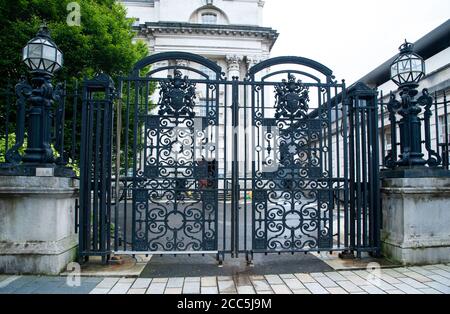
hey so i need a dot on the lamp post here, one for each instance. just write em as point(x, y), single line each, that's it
point(406, 71)
point(43, 59)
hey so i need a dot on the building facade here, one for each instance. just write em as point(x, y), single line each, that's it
point(228, 32)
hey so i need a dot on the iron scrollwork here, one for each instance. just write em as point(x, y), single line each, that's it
point(409, 110)
point(176, 195)
point(292, 205)
point(23, 92)
point(426, 101)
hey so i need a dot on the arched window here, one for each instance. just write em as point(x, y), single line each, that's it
point(209, 18)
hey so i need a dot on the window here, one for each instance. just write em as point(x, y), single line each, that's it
point(210, 73)
point(202, 108)
point(209, 18)
point(444, 128)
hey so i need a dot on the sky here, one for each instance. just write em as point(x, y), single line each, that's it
point(351, 37)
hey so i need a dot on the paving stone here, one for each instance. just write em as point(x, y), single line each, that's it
point(209, 282)
point(372, 289)
point(429, 267)
point(349, 286)
point(383, 285)
point(265, 292)
point(294, 284)
point(209, 290)
point(389, 279)
point(227, 287)
point(136, 291)
point(337, 291)
point(396, 291)
point(418, 277)
point(316, 288)
point(393, 273)
point(315, 275)
point(121, 288)
point(173, 291)
point(413, 283)
point(156, 288)
point(287, 276)
point(439, 287)
point(357, 280)
point(335, 276)
point(242, 281)
point(442, 273)
point(100, 291)
point(280, 289)
point(444, 267)
point(141, 283)
point(107, 283)
point(407, 289)
point(160, 280)
point(6, 282)
point(274, 280)
point(302, 291)
point(192, 279)
point(421, 270)
point(245, 290)
point(257, 278)
point(441, 279)
point(305, 278)
point(327, 282)
point(191, 287)
point(127, 280)
point(430, 291)
point(261, 285)
point(346, 273)
point(175, 283)
point(3, 277)
point(224, 278)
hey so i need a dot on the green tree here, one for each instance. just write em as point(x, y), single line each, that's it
point(102, 43)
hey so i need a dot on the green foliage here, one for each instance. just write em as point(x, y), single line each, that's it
point(11, 142)
point(103, 42)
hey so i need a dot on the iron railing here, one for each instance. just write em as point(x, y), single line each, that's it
point(65, 117)
point(435, 130)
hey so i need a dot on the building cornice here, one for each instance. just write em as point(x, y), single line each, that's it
point(152, 28)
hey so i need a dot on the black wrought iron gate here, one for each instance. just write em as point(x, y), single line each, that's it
point(282, 161)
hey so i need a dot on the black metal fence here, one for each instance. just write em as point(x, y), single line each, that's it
point(435, 123)
point(66, 119)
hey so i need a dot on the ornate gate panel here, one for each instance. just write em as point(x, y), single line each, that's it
point(283, 161)
point(171, 188)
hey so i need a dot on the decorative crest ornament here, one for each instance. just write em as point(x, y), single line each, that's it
point(292, 99)
point(177, 96)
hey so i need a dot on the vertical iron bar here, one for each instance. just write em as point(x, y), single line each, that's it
point(345, 118)
point(447, 133)
point(235, 167)
point(118, 155)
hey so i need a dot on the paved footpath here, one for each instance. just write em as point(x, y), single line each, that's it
point(414, 280)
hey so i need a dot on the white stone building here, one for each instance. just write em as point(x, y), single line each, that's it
point(228, 32)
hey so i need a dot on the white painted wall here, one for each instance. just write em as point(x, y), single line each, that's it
point(238, 12)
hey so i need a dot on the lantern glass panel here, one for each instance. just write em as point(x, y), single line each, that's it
point(34, 51)
point(49, 53)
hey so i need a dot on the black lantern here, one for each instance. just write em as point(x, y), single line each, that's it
point(408, 68)
point(43, 59)
point(41, 54)
point(406, 71)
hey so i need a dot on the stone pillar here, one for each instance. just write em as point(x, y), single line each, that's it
point(37, 224)
point(416, 220)
point(234, 67)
